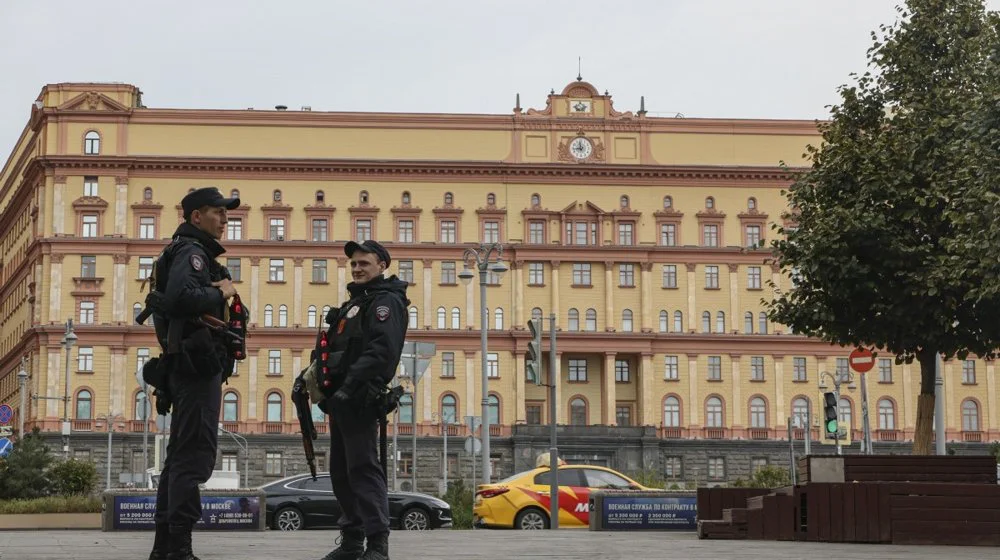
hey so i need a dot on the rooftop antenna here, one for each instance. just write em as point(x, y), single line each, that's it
point(579, 66)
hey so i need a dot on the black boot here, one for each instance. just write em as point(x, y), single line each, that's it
point(161, 542)
point(180, 543)
point(378, 547)
point(352, 546)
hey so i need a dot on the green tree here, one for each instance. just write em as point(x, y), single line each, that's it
point(73, 478)
point(23, 474)
point(877, 257)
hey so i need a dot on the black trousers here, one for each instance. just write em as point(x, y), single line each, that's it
point(357, 476)
point(194, 425)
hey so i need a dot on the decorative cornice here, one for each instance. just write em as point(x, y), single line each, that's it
point(90, 203)
point(668, 214)
point(711, 214)
point(276, 207)
point(491, 211)
point(407, 210)
point(159, 166)
point(146, 205)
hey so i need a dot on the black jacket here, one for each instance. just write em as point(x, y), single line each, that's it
point(372, 336)
point(193, 267)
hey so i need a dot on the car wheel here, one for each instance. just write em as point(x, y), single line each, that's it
point(531, 519)
point(288, 519)
point(415, 519)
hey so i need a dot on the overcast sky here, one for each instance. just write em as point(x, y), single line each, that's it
point(701, 58)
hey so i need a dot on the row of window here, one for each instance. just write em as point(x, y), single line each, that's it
point(672, 414)
point(581, 272)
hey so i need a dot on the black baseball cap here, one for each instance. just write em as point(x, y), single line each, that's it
point(206, 196)
point(373, 247)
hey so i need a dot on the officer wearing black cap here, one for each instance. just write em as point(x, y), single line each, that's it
point(357, 358)
point(195, 361)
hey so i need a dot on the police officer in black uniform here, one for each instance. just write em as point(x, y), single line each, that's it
point(362, 349)
point(194, 362)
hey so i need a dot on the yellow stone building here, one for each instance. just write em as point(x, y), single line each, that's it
point(638, 233)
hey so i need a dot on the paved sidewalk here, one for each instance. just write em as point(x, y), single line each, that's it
point(452, 545)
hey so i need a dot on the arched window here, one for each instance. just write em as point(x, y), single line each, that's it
point(274, 407)
point(406, 409)
point(627, 320)
point(536, 312)
point(326, 311)
point(664, 321)
point(136, 310)
point(970, 416)
point(886, 415)
point(92, 143)
point(491, 199)
point(320, 197)
point(143, 408)
point(449, 199)
point(751, 203)
point(574, 320)
point(845, 413)
point(268, 315)
point(235, 193)
point(762, 323)
point(678, 321)
point(363, 197)
point(709, 202)
point(800, 412)
point(498, 319)
point(456, 318)
point(720, 322)
point(406, 198)
point(671, 412)
point(758, 413)
point(536, 200)
point(748, 322)
point(623, 201)
point(706, 322)
point(668, 203)
point(442, 315)
point(449, 409)
point(230, 407)
point(282, 315)
point(147, 194)
point(494, 409)
point(276, 195)
point(311, 320)
point(578, 412)
point(713, 413)
point(412, 317)
point(83, 402)
point(591, 320)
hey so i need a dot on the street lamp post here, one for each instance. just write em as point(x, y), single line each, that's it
point(68, 340)
point(110, 418)
point(22, 381)
point(480, 257)
point(446, 421)
point(245, 446)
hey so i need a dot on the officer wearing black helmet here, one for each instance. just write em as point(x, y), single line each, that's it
point(357, 358)
point(194, 363)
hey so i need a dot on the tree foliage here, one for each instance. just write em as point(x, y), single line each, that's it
point(880, 255)
point(23, 473)
point(31, 472)
point(768, 476)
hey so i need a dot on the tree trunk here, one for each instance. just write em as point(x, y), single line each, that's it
point(923, 436)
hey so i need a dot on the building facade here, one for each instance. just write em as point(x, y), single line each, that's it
point(645, 237)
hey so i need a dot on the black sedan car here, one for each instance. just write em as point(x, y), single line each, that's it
point(299, 502)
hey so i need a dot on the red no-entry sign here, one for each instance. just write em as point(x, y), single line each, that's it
point(861, 360)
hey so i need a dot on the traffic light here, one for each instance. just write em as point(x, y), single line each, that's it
point(831, 422)
point(533, 366)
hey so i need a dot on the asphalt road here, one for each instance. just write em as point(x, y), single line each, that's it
point(451, 545)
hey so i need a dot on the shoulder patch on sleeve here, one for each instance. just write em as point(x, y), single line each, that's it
point(197, 262)
point(382, 312)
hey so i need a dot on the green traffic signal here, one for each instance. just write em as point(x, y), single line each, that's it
point(832, 427)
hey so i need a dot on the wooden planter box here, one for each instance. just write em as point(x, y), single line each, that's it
point(50, 521)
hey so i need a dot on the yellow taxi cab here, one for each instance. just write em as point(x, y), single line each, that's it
point(522, 500)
